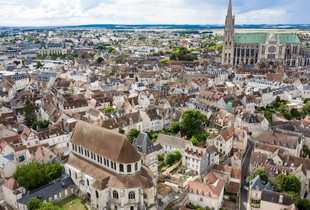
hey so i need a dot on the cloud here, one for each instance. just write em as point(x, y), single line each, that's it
point(79, 12)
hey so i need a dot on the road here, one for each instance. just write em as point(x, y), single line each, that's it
point(245, 166)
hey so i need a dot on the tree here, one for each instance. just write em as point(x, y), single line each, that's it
point(307, 108)
point(41, 124)
point(248, 179)
point(119, 60)
point(303, 204)
point(288, 183)
point(173, 157)
point(295, 114)
point(133, 133)
point(262, 174)
point(108, 109)
point(34, 203)
point(100, 59)
point(49, 206)
point(175, 127)
point(29, 113)
point(160, 157)
point(287, 115)
point(194, 141)
point(121, 131)
point(164, 61)
point(34, 175)
point(192, 120)
point(278, 99)
point(39, 64)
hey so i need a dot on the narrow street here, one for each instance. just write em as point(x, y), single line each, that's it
point(245, 166)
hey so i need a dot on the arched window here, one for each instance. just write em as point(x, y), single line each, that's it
point(131, 195)
point(136, 166)
point(115, 194)
point(128, 168)
point(97, 194)
point(121, 167)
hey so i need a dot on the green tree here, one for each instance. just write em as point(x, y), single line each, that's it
point(164, 61)
point(192, 121)
point(175, 127)
point(121, 130)
point(39, 64)
point(295, 114)
point(160, 157)
point(194, 141)
point(100, 59)
point(173, 157)
point(34, 203)
point(248, 179)
point(262, 174)
point(287, 115)
point(119, 60)
point(278, 99)
point(108, 109)
point(41, 124)
point(307, 108)
point(29, 113)
point(288, 183)
point(303, 204)
point(34, 175)
point(133, 133)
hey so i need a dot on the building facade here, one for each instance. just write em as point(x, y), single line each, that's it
point(284, 49)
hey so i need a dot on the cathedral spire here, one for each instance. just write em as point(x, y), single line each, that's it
point(229, 11)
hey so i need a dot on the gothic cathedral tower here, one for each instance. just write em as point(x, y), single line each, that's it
point(228, 43)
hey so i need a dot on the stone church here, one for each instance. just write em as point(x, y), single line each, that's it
point(283, 49)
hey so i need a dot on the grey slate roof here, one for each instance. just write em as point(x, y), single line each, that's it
point(274, 197)
point(47, 191)
point(143, 144)
point(4, 159)
point(258, 184)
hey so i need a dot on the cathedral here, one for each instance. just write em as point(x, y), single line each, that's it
point(284, 49)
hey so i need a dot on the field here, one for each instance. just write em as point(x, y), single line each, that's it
point(71, 202)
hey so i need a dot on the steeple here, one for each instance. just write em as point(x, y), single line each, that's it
point(230, 19)
point(229, 11)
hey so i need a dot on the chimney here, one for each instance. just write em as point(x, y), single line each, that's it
point(281, 198)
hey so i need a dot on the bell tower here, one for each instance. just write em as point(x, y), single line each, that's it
point(228, 43)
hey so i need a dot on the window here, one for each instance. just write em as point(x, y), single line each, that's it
point(131, 195)
point(201, 199)
point(115, 194)
point(97, 194)
point(128, 168)
point(136, 166)
point(87, 181)
point(121, 167)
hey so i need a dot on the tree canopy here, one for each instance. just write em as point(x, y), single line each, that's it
point(34, 175)
point(262, 174)
point(173, 157)
point(29, 114)
point(288, 183)
point(192, 121)
point(100, 59)
point(133, 133)
point(109, 109)
point(36, 204)
point(307, 108)
point(41, 124)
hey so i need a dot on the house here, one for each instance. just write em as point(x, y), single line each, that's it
point(257, 185)
point(11, 192)
point(222, 118)
point(43, 155)
point(223, 141)
point(107, 170)
point(55, 191)
point(196, 159)
point(171, 143)
point(275, 200)
point(146, 149)
point(152, 121)
point(7, 166)
point(208, 194)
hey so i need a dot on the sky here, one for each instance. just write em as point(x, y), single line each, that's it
point(202, 12)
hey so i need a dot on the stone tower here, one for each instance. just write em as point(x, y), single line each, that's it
point(228, 43)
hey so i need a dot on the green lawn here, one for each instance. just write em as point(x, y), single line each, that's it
point(76, 203)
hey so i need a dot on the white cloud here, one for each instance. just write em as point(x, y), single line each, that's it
point(80, 12)
point(263, 16)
